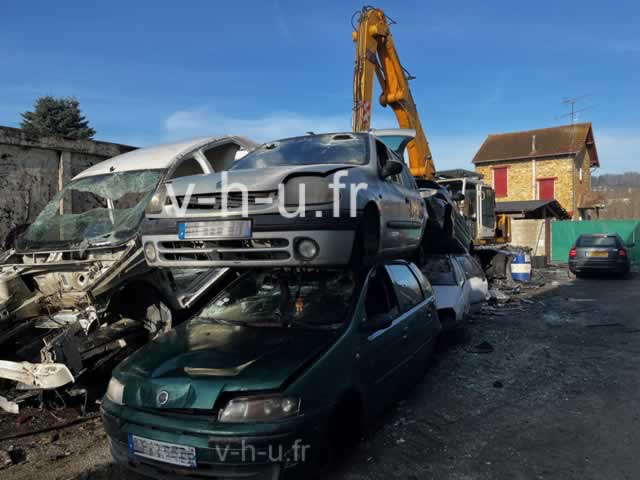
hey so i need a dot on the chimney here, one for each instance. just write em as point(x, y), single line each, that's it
point(533, 143)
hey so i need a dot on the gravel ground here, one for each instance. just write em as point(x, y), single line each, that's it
point(557, 398)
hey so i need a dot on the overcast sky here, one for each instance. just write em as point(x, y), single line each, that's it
point(150, 72)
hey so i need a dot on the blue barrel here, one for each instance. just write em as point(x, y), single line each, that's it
point(521, 268)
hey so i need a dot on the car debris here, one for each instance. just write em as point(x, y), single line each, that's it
point(9, 406)
point(75, 292)
point(358, 202)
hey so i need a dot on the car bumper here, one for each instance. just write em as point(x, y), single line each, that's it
point(599, 265)
point(273, 242)
point(222, 451)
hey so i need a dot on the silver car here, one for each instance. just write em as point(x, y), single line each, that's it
point(326, 199)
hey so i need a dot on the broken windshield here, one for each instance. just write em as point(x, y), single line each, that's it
point(91, 211)
point(340, 148)
point(276, 299)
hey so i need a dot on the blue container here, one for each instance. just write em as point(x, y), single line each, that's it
point(521, 268)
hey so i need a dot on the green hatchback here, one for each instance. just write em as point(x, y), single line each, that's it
point(278, 372)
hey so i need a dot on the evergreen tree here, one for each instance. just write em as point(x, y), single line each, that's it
point(59, 117)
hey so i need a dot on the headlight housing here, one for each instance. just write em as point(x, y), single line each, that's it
point(259, 409)
point(115, 391)
point(316, 190)
point(158, 200)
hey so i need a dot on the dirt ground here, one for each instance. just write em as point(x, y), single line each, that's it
point(559, 397)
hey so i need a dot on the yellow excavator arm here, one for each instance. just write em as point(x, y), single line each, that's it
point(375, 52)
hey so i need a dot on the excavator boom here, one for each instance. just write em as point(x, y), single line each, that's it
point(376, 54)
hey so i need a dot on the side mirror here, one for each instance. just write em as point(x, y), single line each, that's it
point(392, 167)
point(457, 196)
point(631, 244)
point(377, 322)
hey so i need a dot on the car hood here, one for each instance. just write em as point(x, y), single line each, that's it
point(198, 360)
point(258, 179)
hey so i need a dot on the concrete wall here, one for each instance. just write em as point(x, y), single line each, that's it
point(33, 169)
point(523, 177)
point(529, 233)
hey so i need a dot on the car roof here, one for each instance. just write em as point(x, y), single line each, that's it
point(157, 157)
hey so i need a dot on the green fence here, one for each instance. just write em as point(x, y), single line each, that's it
point(564, 234)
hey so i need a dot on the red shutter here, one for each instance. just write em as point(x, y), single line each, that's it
point(500, 184)
point(547, 189)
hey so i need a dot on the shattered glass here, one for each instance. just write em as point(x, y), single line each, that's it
point(96, 210)
point(351, 149)
point(439, 270)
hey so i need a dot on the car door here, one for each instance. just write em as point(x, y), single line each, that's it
point(382, 352)
point(419, 307)
point(393, 209)
point(464, 305)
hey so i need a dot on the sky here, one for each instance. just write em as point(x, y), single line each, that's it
point(154, 72)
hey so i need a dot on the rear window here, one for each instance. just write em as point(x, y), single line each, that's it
point(439, 271)
point(588, 241)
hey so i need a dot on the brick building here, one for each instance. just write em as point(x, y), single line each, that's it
point(544, 164)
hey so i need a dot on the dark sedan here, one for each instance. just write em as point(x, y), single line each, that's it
point(604, 253)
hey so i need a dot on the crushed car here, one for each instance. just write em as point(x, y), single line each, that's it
point(276, 375)
point(478, 283)
point(452, 294)
point(316, 200)
point(75, 291)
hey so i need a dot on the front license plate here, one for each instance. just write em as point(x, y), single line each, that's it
point(214, 230)
point(162, 451)
point(598, 253)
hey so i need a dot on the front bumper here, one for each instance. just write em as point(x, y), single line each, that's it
point(222, 450)
point(272, 244)
point(36, 375)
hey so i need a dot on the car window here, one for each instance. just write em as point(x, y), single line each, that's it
point(188, 167)
point(384, 155)
point(407, 287)
point(339, 148)
point(407, 179)
point(470, 267)
point(381, 298)
point(439, 270)
point(277, 298)
point(588, 241)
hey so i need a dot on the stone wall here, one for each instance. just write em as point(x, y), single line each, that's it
point(529, 233)
point(32, 170)
point(523, 177)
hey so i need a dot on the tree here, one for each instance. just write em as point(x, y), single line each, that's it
point(59, 117)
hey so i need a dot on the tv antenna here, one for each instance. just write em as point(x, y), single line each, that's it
point(571, 103)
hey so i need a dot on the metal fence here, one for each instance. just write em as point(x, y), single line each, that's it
point(564, 234)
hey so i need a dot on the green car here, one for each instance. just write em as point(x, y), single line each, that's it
point(279, 372)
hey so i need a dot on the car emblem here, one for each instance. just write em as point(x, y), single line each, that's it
point(163, 397)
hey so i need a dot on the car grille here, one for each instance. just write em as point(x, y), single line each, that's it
point(213, 201)
point(232, 250)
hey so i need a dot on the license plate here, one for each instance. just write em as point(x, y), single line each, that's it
point(214, 230)
point(598, 253)
point(163, 452)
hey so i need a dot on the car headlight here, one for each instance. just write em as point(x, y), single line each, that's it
point(157, 201)
point(115, 391)
point(316, 190)
point(259, 409)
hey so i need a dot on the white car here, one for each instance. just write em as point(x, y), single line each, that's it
point(452, 292)
point(478, 284)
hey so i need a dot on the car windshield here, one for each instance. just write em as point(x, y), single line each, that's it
point(284, 298)
point(344, 148)
point(100, 209)
point(439, 270)
point(589, 241)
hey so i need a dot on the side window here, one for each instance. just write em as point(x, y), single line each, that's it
point(407, 287)
point(380, 299)
point(460, 276)
point(384, 156)
point(188, 167)
point(408, 179)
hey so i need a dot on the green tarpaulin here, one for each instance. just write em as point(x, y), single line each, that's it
point(564, 234)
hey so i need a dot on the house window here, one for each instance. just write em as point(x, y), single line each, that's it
point(546, 188)
point(500, 183)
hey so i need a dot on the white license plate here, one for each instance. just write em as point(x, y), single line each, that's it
point(162, 451)
point(213, 230)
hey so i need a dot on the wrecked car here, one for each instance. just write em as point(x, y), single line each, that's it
point(76, 291)
point(478, 284)
point(326, 199)
point(280, 371)
point(452, 293)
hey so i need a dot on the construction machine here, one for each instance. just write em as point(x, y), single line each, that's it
point(376, 54)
